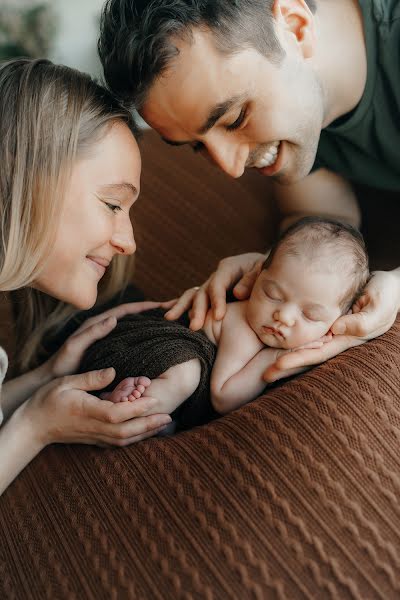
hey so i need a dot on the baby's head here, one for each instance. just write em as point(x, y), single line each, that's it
point(312, 275)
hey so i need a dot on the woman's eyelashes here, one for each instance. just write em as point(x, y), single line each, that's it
point(239, 121)
point(113, 207)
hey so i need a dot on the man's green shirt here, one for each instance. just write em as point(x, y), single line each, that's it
point(364, 146)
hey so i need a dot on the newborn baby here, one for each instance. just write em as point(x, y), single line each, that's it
point(312, 276)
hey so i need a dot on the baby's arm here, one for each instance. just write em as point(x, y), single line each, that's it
point(237, 375)
point(171, 388)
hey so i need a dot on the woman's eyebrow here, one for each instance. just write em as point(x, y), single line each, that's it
point(119, 188)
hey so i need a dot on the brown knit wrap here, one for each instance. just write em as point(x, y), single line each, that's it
point(147, 344)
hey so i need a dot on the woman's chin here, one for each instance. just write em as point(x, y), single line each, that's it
point(83, 301)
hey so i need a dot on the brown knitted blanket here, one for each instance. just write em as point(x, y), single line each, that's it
point(294, 496)
point(147, 344)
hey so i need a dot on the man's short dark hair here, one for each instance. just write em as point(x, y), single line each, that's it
point(136, 36)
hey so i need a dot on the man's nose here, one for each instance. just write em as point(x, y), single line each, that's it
point(286, 315)
point(123, 239)
point(229, 155)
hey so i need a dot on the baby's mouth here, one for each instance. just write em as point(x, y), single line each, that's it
point(273, 331)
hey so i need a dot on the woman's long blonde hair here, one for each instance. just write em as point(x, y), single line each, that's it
point(50, 115)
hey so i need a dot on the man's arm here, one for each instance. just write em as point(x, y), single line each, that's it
point(323, 194)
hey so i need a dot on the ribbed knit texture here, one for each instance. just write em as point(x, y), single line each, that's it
point(294, 496)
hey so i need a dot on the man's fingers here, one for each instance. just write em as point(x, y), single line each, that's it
point(199, 310)
point(304, 358)
point(357, 325)
point(242, 289)
point(183, 303)
point(169, 303)
point(273, 373)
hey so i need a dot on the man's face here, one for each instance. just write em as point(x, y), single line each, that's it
point(241, 109)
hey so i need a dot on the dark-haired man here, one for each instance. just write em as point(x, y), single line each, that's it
point(252, 84)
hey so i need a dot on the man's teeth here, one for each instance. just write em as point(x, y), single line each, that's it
point(269, 157)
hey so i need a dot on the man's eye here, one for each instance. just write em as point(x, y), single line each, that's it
point(238, 121)
point(113, 207)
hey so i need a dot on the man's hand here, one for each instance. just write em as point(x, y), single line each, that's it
point(241, 270)
point(372, 315)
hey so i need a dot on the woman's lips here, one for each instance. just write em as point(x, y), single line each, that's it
point(95, 264)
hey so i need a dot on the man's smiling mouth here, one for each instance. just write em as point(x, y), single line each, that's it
point(268, 158)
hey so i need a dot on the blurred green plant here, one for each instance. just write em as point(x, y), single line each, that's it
point(26, 30)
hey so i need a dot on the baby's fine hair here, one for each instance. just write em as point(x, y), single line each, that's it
point(328, 244)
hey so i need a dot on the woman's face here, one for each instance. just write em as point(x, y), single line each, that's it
point(94, 225)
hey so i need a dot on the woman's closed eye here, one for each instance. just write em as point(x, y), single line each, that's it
point(113, 207)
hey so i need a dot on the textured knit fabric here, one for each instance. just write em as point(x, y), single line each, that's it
point(296, 495)
point(364, 146)
point(147, 344)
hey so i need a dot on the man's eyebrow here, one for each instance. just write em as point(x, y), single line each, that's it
point(214, 115)
point(124, 186)
point(218, 111)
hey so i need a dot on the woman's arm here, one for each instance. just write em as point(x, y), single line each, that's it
point(63, 411)
point(15, 391)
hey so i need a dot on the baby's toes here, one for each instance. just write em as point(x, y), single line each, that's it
point(142, 382)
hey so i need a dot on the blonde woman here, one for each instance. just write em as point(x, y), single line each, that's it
point(70, 171)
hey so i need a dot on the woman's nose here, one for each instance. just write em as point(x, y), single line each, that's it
point(123, 239)
point(285, 315)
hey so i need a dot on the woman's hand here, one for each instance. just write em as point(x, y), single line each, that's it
point(372, 315)
point(241, 270)
point(64, 411)
point(66, 361)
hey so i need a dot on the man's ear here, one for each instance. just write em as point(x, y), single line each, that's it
point(295, 20)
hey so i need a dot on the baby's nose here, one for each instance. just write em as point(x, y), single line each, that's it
point(285, 316)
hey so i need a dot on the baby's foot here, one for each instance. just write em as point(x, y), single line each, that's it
point(130, 389)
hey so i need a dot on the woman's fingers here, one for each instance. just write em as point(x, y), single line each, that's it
point(89, 381)
point(82, 339)
point(118, 412)
point(132, 428)
point(117, 312)
point(122, 443)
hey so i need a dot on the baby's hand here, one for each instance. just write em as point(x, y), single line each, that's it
point(129, 389)
point(316, 344)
